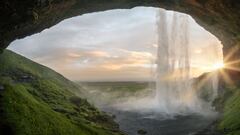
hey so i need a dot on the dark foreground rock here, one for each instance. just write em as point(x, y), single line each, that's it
point(210, 130)
point(24, 18)
point(142, 132)
point(1, 88)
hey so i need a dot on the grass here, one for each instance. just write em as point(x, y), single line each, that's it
point(38, 101)
point(230, 122)
point(227, 103)
point(105, 94)
point(131, 87)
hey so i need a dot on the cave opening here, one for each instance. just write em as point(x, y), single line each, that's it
point(78, 33)
point(111, 51)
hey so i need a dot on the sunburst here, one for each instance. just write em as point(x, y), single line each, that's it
point(223, 69)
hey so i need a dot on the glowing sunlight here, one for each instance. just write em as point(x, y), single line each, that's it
point(217, 66)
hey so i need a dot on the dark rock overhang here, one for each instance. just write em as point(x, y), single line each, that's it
point(21, 18)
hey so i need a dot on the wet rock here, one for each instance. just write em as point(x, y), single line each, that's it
point(210, 130)
point(26, 78)
point(142, 132)
point(114, 116)
point(1, 88)
point(35, 15)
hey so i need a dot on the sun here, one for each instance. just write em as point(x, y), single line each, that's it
point(217, 66)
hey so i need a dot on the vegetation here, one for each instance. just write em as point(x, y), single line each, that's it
point(131, 87)
point(104, 94)
point(227, 103)
point(230, 122)
point(35, 100)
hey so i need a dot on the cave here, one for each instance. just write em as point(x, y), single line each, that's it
point(25, 18)
point(21, 19)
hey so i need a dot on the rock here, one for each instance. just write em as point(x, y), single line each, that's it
point(1, 88)
point(142, 132)
point(220, 17)
point(210, 130)
point(26, 78)
point(114, 116)
point(35, 16)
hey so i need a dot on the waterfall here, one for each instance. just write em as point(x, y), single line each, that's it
point(174, 93)
point(215, 82)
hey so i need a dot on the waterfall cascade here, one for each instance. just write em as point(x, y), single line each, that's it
point(174, 93)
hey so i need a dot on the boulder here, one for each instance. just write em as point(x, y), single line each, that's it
point(142, 132)
point(1, 88)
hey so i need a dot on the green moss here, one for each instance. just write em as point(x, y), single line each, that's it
point(38, 101)
point(29, 116)
point(230, 123)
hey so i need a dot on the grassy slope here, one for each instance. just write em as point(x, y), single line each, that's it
point(230, 122)
point(38, 101)
point(228, 103)
point(104, 94)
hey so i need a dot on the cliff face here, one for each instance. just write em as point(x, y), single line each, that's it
point(35, 100)
point(227, 102)
point(24, 18)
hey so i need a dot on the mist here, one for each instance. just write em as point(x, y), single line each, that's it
point(171, 93)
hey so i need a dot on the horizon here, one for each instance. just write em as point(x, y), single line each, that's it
point(114, 45)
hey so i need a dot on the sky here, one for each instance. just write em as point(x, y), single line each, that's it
point(114, 45)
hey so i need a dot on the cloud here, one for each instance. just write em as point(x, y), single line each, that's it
point(116, 63)
point(111, 45)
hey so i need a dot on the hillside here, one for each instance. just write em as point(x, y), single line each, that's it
point(35, 100)
point(106, 94)
point(227, 103)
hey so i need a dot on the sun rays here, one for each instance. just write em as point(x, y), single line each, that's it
point(225, 71)
point(217, 66)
